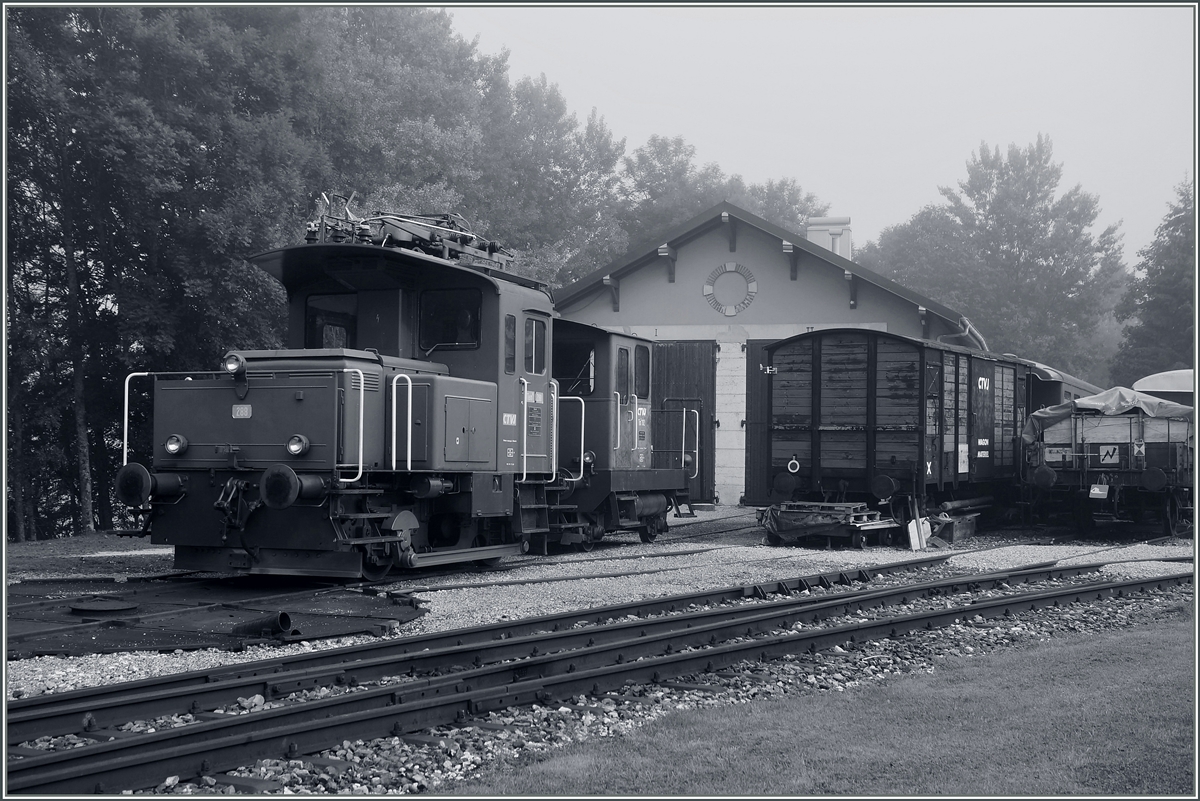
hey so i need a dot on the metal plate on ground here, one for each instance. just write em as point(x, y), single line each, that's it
point(72, 618)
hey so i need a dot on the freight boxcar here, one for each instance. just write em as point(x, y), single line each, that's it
point(867, 416)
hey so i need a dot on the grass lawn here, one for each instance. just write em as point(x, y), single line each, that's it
point(1099, 715)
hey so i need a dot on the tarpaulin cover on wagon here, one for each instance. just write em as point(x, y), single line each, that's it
point(1117, 400)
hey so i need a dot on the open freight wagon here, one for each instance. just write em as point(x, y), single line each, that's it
point(1118, 455)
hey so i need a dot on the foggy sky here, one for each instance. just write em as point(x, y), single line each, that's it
point(872, 109)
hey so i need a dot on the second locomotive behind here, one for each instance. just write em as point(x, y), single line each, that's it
point(413, 420)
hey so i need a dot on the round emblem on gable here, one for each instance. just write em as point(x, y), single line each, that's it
point(730, 288)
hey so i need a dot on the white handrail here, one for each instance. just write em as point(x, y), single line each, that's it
point(362, 394)
point(696, 453)
point(554, 429)
point(408, 451)
point(125, 430)
point(524, 428)
point(618, 446)
point(582, 421)
point(683, 437)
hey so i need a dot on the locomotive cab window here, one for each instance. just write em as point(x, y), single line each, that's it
point(331, 321)
point(449, 319)
point(623, 374)
point(641, 372)
point(575, 367)
point(535, 346)
point(510, 344)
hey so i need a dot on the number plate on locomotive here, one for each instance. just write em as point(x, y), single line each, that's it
point(241, 411)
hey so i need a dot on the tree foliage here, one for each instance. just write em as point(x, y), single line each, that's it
point(1160, 298)
point(1015, 256)
point(662, 187)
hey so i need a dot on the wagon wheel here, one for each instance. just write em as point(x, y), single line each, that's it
point(773, 538)
point(586, 545)
point(649, 532)
point(1175, 517)
point(887, 536)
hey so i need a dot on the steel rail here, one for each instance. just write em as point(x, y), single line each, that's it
point(43, 705)
point(149, 703)
point(304, 728)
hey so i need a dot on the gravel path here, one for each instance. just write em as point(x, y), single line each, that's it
point(394, 765)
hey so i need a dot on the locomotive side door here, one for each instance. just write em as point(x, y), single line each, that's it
point(536, 427)
point(981, 434)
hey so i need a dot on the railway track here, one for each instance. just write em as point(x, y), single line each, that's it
point(402, 686)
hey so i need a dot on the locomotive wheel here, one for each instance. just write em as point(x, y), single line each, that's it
point(649, 532)
point(376, 563)
point(586, 546)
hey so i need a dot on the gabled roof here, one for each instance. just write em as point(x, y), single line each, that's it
point(647, 252)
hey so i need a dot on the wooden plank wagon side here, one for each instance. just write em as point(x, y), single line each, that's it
point(860, 416)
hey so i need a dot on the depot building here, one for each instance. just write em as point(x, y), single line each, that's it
point(712, 294)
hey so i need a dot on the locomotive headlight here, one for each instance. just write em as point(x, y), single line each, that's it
point(297, 445)
point(176, 444)
point(233, 363)
point(589, 457)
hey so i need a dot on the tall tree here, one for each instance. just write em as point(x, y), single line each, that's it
point(662, 187)
point(1160, 299)
point(147, 160)
point(1014, 255)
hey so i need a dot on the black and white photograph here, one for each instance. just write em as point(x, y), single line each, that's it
point(615, 400)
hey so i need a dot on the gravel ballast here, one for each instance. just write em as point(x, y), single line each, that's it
point(399, 765)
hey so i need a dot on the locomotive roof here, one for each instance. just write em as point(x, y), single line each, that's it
point(1048, 373)
point(1169, 381)
point(369, 266)
point(563, 321)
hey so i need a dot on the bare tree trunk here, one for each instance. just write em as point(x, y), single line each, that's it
point(16, 468)
point(75, 299)
point(104, 478)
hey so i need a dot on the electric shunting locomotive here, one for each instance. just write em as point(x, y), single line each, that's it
point(417, 417)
